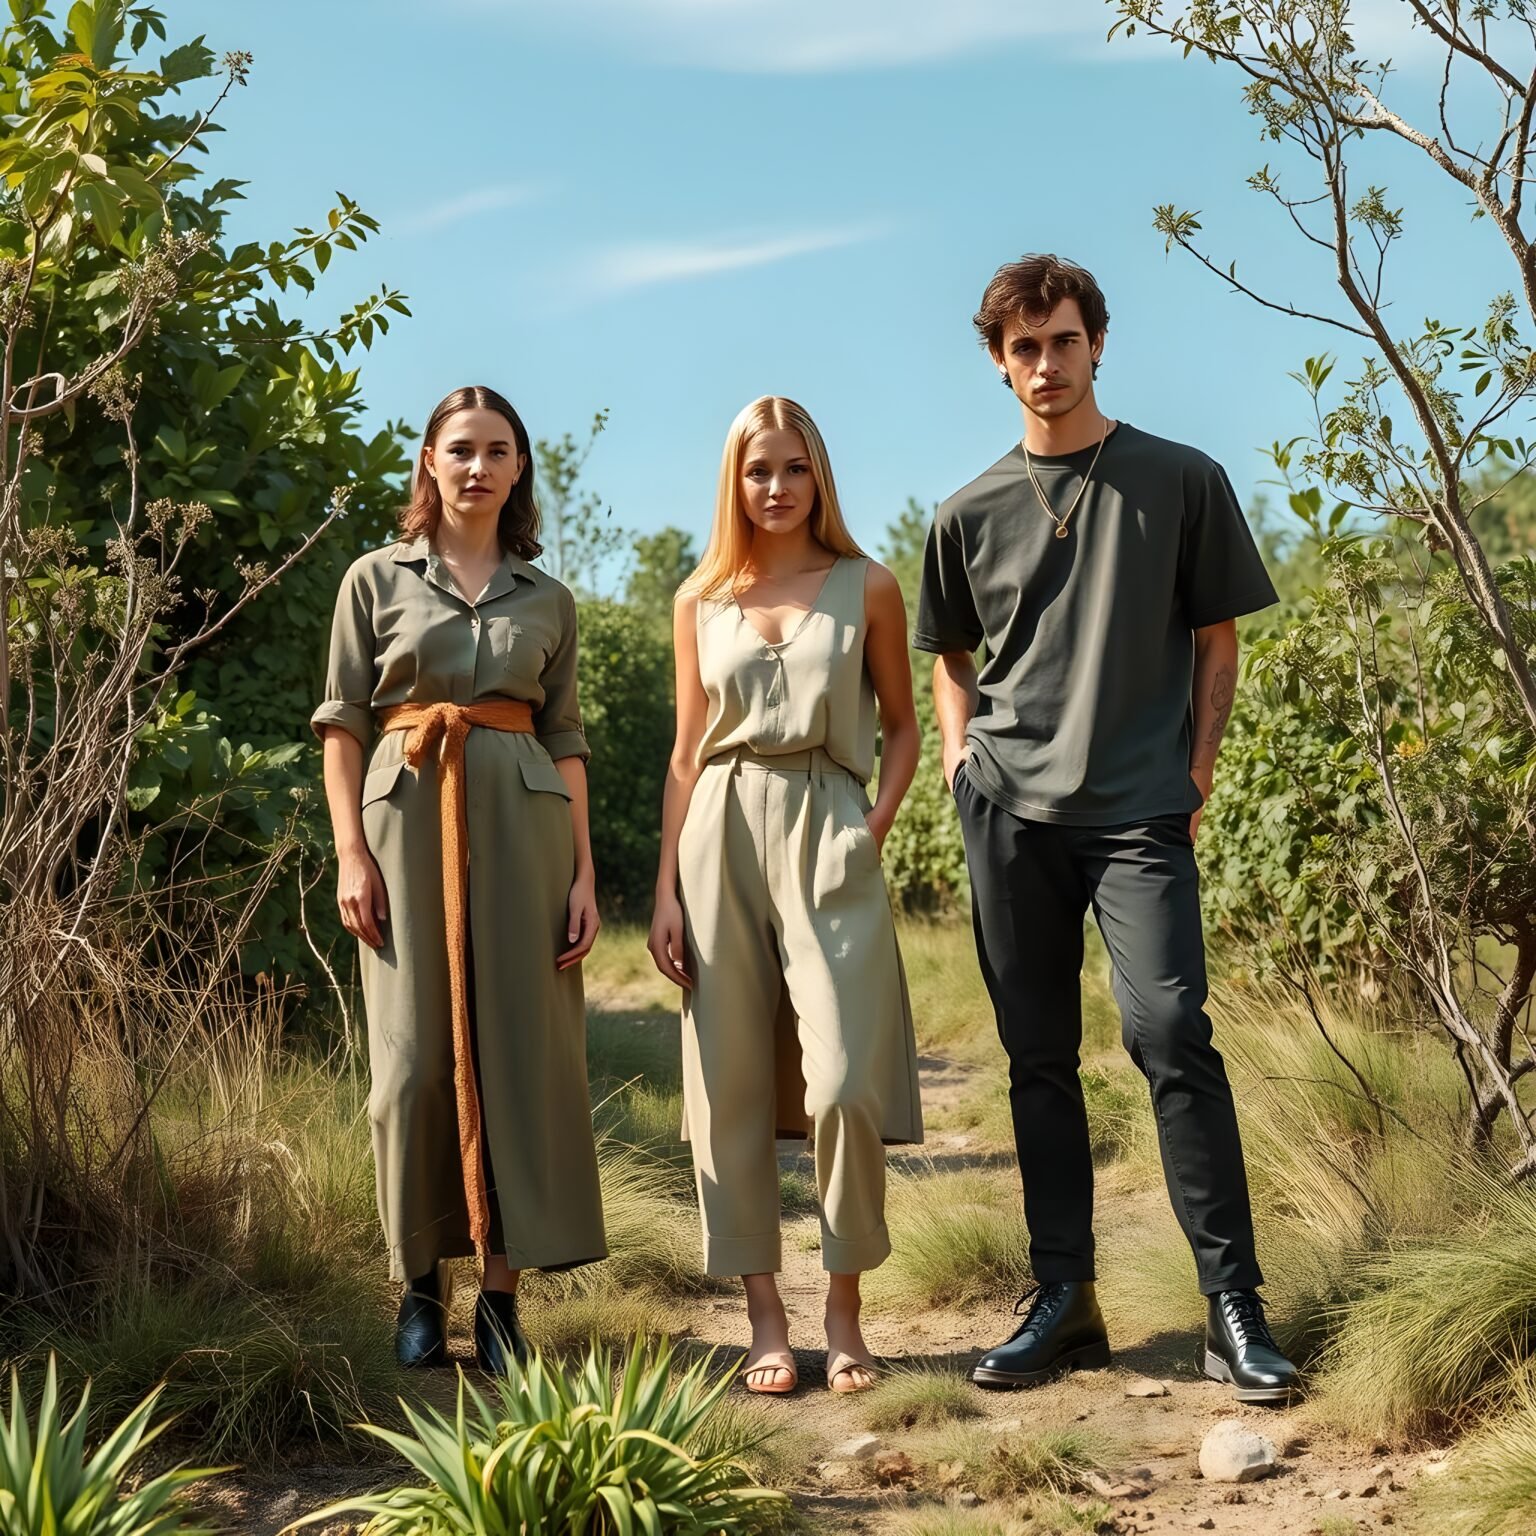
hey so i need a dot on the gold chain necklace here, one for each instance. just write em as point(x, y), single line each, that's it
point(1061, 522)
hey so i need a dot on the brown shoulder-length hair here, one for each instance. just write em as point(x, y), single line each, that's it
point(1029, 289)
point(518, 525)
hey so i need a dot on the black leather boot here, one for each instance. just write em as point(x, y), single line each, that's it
point(421, 1331)
point(1063, 1331)
point(1240, 1349)
point(497, 1333)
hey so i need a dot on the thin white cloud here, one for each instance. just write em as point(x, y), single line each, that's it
point(642, 264)
point(826, 36)
point(455, 210)
point(817, 36)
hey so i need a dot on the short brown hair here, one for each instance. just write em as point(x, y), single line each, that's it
point(1029, 289)
point(518, 525)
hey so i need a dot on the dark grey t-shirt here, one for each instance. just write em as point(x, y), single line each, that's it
point(1085, 711)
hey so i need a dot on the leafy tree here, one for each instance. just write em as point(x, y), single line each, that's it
point(172, 378)
point(1403, 440)
point(581, 540)
point(1428, 679)
point(661, 562)
point(170, 445)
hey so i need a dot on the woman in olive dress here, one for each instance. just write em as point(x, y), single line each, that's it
point(456, 779)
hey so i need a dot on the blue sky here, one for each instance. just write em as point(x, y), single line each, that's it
point(667, 207)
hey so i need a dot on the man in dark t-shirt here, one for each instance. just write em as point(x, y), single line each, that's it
point(1103, 570)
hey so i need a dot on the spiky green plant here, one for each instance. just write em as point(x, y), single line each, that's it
point(585, 1453)
point(49, 1486)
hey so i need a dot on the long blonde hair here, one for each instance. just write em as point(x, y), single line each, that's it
point(730, 538)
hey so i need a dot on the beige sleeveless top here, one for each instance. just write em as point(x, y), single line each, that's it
point(812, 689)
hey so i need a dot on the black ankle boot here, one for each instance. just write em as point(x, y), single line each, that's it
point(1063, 1331)
point(1240, 1349)
point(421, 1333)
point(498, 1336)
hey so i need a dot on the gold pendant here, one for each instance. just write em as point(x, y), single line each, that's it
point(1061, 530)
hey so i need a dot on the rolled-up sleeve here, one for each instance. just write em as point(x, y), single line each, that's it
point(557, 722)
point(349, 672)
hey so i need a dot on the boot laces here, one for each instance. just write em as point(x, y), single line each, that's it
point(1044, 1302)
point(1245, 1313)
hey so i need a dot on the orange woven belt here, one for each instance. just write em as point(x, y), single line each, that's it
point(448, 727)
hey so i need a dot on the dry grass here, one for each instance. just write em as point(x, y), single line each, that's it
point(956, 1237)
point(1441, 1319)
point(919, 1397)
point(1490, 1489)
point(1013, 1465)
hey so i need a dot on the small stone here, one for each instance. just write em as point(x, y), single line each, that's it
point(1378, 1480)
point(968, 1499)
point(1234, 1496)
point(859, 1448)
point(1385, 1517)
point(1233, 1453)
point(1144, 1386)
point(1336, 1493)
point(894, 1469)
point(1206, 1525)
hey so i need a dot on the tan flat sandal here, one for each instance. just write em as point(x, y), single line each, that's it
point(840, 1364)
point(774, 1360)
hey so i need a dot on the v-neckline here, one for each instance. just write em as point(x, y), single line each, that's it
point(799, 624)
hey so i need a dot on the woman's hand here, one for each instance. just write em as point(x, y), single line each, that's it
point(666, 941)
point(361, 896)
point(581, 929)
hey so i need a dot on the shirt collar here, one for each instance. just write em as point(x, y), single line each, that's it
point(419, 549)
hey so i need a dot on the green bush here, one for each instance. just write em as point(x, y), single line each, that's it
point(587, 1452)
point(626, 704)
point(924, 856)
point(49, 1486)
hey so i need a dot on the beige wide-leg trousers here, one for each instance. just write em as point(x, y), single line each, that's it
point(789, 928)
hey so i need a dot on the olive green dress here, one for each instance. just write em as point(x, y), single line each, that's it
point(403, 634)
point(798, 1019)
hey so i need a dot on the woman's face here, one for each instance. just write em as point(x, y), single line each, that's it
point(475, 461)
point(778, 483)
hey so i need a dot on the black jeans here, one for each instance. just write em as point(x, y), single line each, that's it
point(1032, 883)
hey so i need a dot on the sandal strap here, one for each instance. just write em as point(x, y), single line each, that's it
point(839, 1364)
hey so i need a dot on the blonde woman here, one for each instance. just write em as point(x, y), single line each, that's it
point(771, 910)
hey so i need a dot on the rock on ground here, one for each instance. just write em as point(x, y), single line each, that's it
point(1233, 1453)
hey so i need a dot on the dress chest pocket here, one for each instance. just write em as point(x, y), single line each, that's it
point(503, 636)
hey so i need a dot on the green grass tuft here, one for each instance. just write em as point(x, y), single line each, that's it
point(1490, 1489)
point(1441, 1318)
point(919, 1397)
point(956, 1237)
point(1011, 1466)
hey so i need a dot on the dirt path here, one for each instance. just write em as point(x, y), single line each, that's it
point(1149, 1445)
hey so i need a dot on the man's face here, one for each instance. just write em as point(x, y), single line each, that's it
point(1050, 360)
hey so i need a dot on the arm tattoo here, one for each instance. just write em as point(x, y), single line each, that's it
point(1223, 688)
